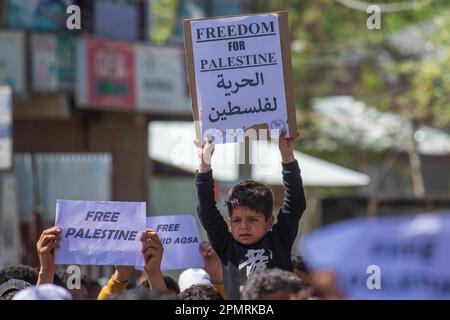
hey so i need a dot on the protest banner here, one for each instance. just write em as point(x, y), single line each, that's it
point(386, 258)
point(180, 238)
point(100, 232)
point(240, 75)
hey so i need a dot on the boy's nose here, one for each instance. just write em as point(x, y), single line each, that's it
point(244, 226)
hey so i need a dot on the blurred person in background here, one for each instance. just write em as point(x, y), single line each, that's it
point(274, 284)
point(200, 292)
point(300, 269)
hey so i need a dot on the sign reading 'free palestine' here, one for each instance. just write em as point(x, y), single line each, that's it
point(100, 232)
point(240, 75)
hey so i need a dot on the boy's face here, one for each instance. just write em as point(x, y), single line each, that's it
point(248, 226)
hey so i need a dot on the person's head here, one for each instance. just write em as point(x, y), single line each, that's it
point(250, 206)
point(193, 276)
point(20, 272)
point(46, 291)
point(200, 292)
point(301, 269)
point(272, 284)
point(325, 285)
point(9, 288)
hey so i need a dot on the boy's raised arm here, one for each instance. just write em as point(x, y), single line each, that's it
point(208, 213)
point(294, 197)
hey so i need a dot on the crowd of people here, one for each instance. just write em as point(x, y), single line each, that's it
point(27, 283)
point(248, 258)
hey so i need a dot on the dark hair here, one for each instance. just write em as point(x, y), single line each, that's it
point(251, 194)
point(171, 284)
point(20, 272)
point(299, 263)
point(271, 281)
point(9, 288)
point(200, 292)
point(141, 293)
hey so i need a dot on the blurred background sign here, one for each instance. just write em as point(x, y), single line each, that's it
point(117, 19)
point(387, 258)
point(5, 127)
point(161, 80)
point(106, 79)
point(12, 60)
point(45, 15)
point(53, 62)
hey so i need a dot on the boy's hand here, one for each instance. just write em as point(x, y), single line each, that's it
point(286, 146)
point(47, 243)
point(213, 265)
point(204, 153)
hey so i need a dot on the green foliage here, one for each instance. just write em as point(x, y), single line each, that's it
point(164, 14)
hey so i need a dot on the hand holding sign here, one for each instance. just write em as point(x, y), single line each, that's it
point(204, 153)
point(286, 146)
point(152, 249)
point(238, 84)
point(47, 243)
point(100, 232)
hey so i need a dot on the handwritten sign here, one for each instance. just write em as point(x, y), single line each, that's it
point(180, 238)
point(240, 75)
point(387, 258)
point(100, 232)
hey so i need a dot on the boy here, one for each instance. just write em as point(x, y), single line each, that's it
point(253, 243)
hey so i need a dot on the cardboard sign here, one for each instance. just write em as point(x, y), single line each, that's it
point(100, 232)
point(240, 75)
point(180, 238)
point(387, 258)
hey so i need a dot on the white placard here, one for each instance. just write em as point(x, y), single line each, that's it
point(180, 238)
point(239, 74)
point(100, 232)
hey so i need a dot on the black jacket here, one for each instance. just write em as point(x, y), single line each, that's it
point(240, 261)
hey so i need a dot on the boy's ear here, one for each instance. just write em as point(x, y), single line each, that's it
point(269, 222)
